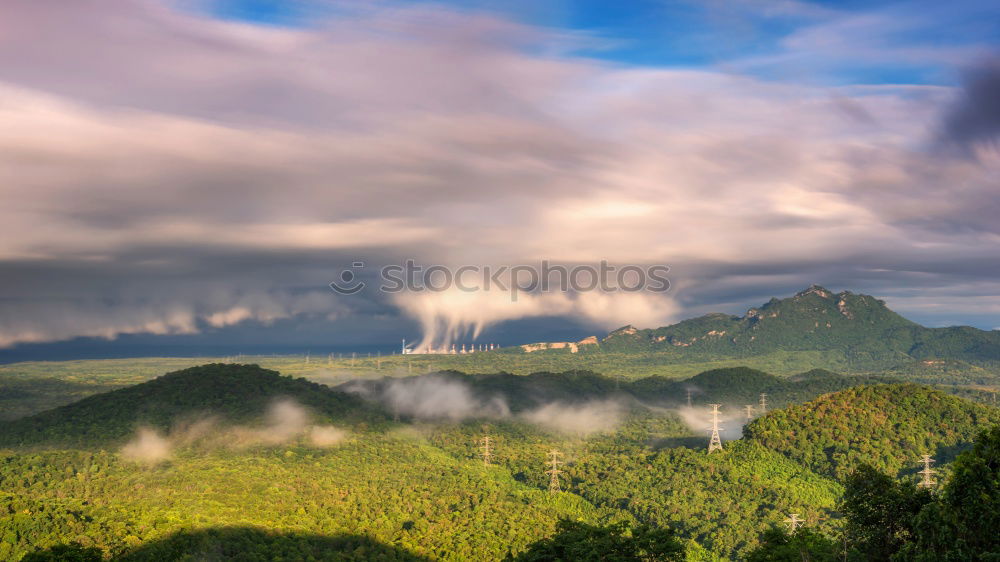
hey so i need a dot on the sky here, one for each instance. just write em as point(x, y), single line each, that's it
point(188, 176)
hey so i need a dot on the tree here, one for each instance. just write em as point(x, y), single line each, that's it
point(575, 541)
point(880, 512)
point(803, 545)
point(72, 552)
point(965, 523)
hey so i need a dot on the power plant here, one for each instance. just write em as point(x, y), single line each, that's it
point(453, 349)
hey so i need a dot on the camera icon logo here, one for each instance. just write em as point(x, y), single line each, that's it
point(347, 284)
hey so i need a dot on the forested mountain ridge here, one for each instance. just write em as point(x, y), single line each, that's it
point(734, 386)
point(861, 326)
point(233, 393)
point(236, 393)
point(737, 386)
point(887, 426)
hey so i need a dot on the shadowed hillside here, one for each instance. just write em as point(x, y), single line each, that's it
point(234, 393)
point(239, 543)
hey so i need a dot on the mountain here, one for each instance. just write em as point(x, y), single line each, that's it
point(888, 426)
point(231, 393)
point(859, 326)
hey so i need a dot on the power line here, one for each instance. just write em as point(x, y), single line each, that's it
point(484, 447)
point(927, 473)
point(794, 522)
point(715, 443)
point(553, 462)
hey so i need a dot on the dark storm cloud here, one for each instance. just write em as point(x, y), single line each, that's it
point(975, 116)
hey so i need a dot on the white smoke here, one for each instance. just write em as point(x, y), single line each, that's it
point(286, 421)
point(446, 316)
point(578, 419)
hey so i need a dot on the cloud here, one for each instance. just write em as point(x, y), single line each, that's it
point(326, 435)
point(55, 318)
point(148, 447)
point(975, 116)
point(169, 173)
point(439, 397)
point(432, 397)
point(699, 421)
point(284, 422)
point(578, 419)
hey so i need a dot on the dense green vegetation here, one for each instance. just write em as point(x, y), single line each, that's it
point(886, 426)
point(401, 487)
point(393, 489)
point(887, 519)
point(723, 501)
point(616, 543)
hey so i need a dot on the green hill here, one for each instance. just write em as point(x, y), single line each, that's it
point(887, 426)
point(723, 501)
point(232, 393)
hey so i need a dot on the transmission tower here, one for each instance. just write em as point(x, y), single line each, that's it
point(763, 403)
point(689, 397)
point(486, 450)
point(554, 471)
point(794, 522)
point(927, 473)
point(749, 410)
point(715, 444)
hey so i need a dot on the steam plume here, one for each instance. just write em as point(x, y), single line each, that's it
point(449, 315)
